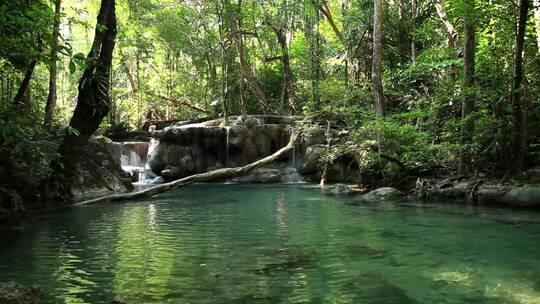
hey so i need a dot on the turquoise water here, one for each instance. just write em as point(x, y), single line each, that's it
point(280, 244)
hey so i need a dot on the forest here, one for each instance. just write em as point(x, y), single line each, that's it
point(107, 100)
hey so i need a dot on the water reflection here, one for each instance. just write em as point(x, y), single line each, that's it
point(269, 245)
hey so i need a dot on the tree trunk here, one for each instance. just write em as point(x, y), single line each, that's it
point(402, 34)
point(245, 67)
point(414, 9)
point(289, 92)
point(93, 104)
point(316, 62)
point(325, 10)
point(376, 77)
point(218, 174)
point(51, 98)
point(537, 22)
point(451, 34)
point(223, 17)
point(23, 93)
point(518, 103)
point(344, 6)
point(468, 103)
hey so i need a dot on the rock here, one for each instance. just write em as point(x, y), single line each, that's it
point(489, 194)
point(339, 189)
point(261, 175)
point(290, 175)
point(252, 122)
point(381, 194)
point(13, 293)
point(311, 159)
point(170, 172)
point(459, 190)
point(99, 173)
point(315, 136)
point(533, 175)
point(523, 197)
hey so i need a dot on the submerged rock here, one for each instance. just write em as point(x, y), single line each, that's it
point(13, 293)
point(381, 194)
point(338, 189)
point(261, 175)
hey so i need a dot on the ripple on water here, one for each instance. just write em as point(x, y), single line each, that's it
point(256, 244)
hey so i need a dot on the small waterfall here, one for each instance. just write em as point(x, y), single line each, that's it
point(227, 139)
point(293, 162)
point(129, 159)
point(133, 157)
point(152, 147)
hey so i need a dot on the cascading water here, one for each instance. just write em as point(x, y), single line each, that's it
point(290, 174)
point(134, 158)
point(227, 139)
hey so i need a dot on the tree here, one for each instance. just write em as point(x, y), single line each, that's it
point(245, 67)
point(51, 98)
point(518, 103)
point(376, 76)
point(22, 35)
point(93, 104)
point(468, 104)
point(452, 34)
point(281, 25)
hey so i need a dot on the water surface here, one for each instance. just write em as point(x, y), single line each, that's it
point(277, 244)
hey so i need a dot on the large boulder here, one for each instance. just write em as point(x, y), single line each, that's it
point(13, 293)
point(196, 148)
point(491, 194)
point(523, 197)
point(381, 194)
point(311, 159)
point(98, 172)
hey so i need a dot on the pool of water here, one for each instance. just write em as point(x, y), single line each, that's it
point(276, 244)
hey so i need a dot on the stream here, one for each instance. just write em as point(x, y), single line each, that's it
point(215, 243)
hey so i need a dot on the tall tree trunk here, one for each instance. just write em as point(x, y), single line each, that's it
point(325, 10)
point(245, 67)
point(518, 103)
point(376, 77)
point(402, 34)
point(451, 34)
point(288, 92)
point(414, 9)
point(537, 21)
point(316, 62)
point(223, 13)
point(93, 104)
point(51, 98)
point(344, 6)
point(23, 93)
point(468, 104)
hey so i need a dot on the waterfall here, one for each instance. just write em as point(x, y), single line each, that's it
point(293, 162)
point(133, 157)
point(228, 131)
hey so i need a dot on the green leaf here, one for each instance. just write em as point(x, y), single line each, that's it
point(72, 67)
point(72, 131)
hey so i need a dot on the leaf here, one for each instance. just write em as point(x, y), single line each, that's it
point(72, 67)
point(79, 56)
point(72, 131)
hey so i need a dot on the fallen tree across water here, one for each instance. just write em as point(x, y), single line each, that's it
point(223, 173)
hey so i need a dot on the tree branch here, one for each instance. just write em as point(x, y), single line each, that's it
point(202, 177)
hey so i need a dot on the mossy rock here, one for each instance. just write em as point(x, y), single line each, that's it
point(523, 197)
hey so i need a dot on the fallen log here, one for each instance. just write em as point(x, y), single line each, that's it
point(223, 173)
